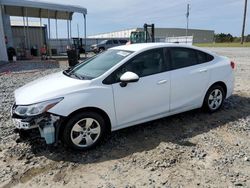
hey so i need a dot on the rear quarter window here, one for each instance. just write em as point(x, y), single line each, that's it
point(204, 57)
point(210, 57)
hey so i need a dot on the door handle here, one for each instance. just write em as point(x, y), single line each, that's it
point(162, 82)
point(202, 70)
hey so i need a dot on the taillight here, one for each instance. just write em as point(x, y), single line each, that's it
point(232, 64)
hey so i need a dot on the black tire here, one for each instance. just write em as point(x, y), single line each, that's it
point(68, 133)
point(208, 101)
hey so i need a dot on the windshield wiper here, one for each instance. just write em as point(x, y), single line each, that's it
point(78, 76)
point(66, 72)
point(72, 74)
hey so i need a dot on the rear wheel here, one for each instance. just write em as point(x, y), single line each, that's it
point(84, 131)
point(214, 98)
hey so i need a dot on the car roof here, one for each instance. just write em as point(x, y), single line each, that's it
point(147, 46)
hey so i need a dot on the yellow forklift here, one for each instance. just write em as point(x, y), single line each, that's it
point(78, 44)
point(143, 36)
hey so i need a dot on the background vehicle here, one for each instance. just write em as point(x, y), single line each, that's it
point(106, 44)
point(121, 87)
point(143, 36)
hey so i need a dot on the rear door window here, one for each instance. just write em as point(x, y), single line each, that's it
point(182, 57)
point(123, 41)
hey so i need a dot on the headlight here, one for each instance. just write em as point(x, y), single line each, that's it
point(36, 109)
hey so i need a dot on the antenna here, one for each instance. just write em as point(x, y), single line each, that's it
point(187, 16)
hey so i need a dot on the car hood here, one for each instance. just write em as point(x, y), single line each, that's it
point(49, 87)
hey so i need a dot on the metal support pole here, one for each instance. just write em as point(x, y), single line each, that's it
point(70, 26)
point(3, 13)
point(68, 31)
point(56, 27)
point(187, 15)
point(3, 53)
point(41, 29)
point(49, 35)
point(24, 30)
point(153, 32)
point(145, 27)
point(85, 35)
point(27, 21)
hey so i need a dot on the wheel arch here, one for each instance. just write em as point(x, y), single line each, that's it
point(222, 84)
point(85, 109)
point(101, 48)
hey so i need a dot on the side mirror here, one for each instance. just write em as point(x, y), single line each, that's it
point(128, 77)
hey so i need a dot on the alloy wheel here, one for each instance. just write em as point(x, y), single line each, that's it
point(85, 132)
point(215, 99)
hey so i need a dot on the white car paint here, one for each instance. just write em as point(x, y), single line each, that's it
point(142, 99)
point(52, 86)
point(150, 98)
point(196, 79)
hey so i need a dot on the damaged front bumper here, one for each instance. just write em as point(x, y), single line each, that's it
point(48, 125)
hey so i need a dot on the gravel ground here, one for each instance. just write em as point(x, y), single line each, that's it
point(192, 149)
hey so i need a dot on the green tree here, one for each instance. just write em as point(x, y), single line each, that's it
point(247, 39)
point(222, 37)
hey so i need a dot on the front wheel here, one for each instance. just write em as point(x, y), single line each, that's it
point(214, 98)
point(84, 131)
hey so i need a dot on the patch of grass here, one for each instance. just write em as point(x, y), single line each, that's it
point(224, 44)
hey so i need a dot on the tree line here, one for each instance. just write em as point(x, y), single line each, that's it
point(223, 37)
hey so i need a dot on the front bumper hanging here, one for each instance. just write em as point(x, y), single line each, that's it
point(46, 123)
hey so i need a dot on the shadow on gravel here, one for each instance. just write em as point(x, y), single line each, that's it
point(27, 66)
point(176, 129)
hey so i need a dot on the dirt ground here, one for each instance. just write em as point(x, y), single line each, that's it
point(192, 149)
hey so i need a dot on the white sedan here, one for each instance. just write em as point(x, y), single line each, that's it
point(124, 86)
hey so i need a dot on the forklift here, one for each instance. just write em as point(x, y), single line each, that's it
point(78, 44)
point(143, 36)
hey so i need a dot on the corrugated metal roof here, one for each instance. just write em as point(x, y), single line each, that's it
point(40, 9)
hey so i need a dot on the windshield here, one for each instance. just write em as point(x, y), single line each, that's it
point(99, 64)
point(103, 42)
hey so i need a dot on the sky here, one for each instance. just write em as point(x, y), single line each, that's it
point(113, 15)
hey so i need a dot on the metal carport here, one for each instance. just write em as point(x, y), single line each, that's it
point(36, 9)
